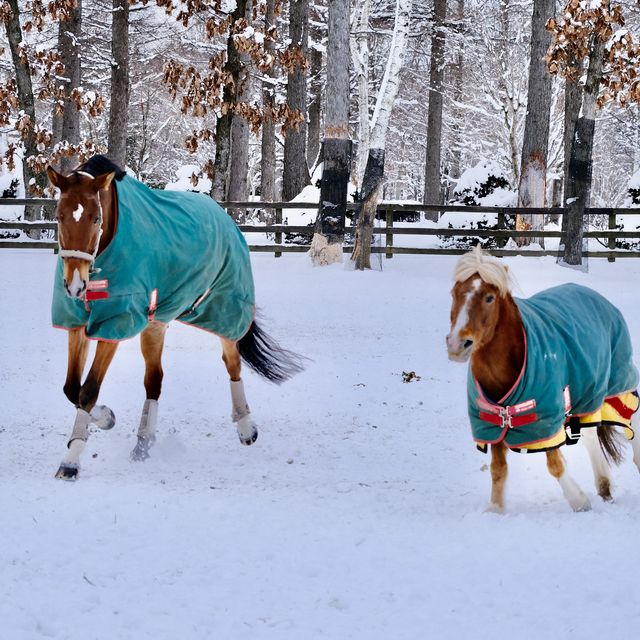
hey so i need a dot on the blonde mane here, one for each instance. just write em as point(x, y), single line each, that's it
point(488, 268)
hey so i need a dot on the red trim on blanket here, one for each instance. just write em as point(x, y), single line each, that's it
point(620, 407)
point(96, 295)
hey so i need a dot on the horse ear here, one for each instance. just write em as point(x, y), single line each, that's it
point(56, 179)
point(104, 181)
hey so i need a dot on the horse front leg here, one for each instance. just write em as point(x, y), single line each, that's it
point(498, 477)
point(570, 488)
point(151, 345)
point(87, 397)
point(240, 414)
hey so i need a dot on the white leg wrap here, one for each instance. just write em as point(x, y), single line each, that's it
point(80, 427)
point(240, 408)
point(241, 415)
point(148, 420)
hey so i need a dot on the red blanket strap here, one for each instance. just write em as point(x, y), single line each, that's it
point(515, 421)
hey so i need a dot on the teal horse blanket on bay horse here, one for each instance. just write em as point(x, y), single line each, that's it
point(174, 255)
point(578, 353)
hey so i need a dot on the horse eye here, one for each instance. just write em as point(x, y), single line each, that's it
point(489, 299)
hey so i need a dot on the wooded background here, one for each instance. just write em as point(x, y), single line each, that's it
point(238, 88)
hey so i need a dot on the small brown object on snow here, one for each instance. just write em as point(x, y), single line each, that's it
point(410, 376)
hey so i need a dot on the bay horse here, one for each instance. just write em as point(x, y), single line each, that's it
point(543, 371)
point(131, 259)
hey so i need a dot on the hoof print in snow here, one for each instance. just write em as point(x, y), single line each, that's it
point(67, 472)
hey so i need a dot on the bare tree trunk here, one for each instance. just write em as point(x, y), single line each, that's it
point(268, 140)
point(221, 164)
point(119, 109)
point(326, 247)
point(432, 167)
point(239, 159)
point(581, 160)
point(27, 105)
point(360, 57)
point(66, 126)
point(296, 173)
point(374, 171)
point(533, 168)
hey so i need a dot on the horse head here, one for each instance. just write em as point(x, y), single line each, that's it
point(480, 284)
point(80, 217)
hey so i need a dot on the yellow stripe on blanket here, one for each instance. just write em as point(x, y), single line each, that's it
point(615, 412)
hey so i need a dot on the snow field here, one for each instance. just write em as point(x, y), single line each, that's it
point(358, 513)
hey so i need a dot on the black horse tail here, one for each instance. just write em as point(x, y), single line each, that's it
point(610, 443)
point(266, 357)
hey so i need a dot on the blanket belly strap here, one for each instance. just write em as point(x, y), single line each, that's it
point(507, 420)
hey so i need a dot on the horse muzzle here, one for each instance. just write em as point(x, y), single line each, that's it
point(459, 350)
point(77, 287)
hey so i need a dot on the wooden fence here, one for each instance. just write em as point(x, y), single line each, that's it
point(389, 212)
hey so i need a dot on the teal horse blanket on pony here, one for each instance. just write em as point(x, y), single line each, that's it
point(174, 255)
point(578, 354)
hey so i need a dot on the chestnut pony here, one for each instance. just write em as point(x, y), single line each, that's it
point(93, 214)
point(487, 328)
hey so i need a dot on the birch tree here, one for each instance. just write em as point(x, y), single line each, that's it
point(533, 168)
point(326, 246)
point(360, 58)
point(374, 172)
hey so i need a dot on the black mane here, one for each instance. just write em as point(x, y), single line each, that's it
point(98, 165)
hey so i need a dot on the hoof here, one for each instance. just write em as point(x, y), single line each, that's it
point(247, 431)
point(604, 490)
point(140, 452)
point(582, 507)
point(67, 471)
point(249, 440)
point(492, 507)
point(103, 417)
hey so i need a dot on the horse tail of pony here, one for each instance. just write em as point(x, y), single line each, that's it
point(610, 443)
point(267, 358)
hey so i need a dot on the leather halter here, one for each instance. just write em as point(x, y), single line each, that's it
point(76, 253)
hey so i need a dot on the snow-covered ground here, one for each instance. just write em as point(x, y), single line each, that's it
point(357, 514)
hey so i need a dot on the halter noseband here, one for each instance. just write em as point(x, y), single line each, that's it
point(76, 253)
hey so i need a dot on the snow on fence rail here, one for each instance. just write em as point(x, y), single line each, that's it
point(389, 213)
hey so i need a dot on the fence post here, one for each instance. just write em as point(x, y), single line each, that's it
point(278, 233)
point(612, 240)
point(389, 236)
point(502, 225)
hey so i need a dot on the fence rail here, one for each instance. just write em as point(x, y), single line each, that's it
point(390, 211)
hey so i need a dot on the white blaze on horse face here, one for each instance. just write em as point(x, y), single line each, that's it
point(77, 214)
point(453, 339)
point(77, 284)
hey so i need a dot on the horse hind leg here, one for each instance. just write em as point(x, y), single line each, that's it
point(151, 345)
point(570, 488)
point(599, 464)
point(86, 403)
point(240, 414)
